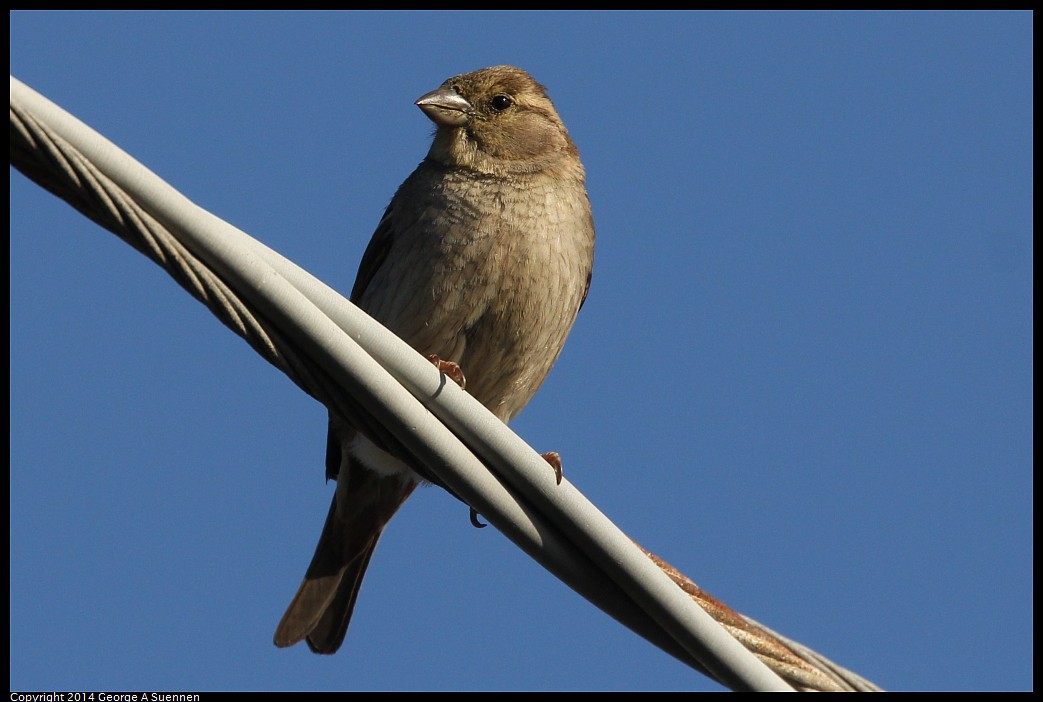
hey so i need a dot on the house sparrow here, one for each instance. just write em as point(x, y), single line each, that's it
point(483, 258)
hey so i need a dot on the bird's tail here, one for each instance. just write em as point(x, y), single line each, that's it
point(322, 607)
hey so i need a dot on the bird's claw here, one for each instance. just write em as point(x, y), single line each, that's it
point(554, 459)
point(451, 369)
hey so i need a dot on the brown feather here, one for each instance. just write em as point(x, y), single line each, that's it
point(322, 607)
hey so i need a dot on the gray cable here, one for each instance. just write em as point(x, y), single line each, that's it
point(553, 523)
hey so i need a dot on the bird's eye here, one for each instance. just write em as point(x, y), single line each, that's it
point(501, 102)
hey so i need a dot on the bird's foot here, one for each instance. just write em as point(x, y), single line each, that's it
point(554, 459)
point(451, 369)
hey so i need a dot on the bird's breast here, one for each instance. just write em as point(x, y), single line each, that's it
point(489, 274)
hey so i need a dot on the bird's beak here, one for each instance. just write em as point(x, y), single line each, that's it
point(445, 107)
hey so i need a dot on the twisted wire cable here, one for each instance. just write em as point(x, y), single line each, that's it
point(516, 506)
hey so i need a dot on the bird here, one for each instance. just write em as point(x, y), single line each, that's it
point(481, 262)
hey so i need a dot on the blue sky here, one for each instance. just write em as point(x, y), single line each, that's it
point(803, 374)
